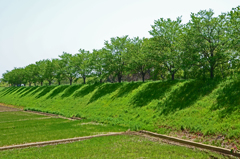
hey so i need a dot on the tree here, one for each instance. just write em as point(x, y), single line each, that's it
point(234, 25)
point(97, 62)
point(81, 62)
point(49, 71)
point(69, 70)
point(41, 71)
point(115, 61)
point(210, 39)
point(58, 70)
point(15, 77)
point(167, 36)
point(31, 72)
point(139, 56)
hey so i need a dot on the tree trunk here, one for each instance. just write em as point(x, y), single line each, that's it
point(162, 77)
point(119, 78)
point(212, 72)
point(212, 66)
point(29, 84)
point(100, 80)
point(59, 82)
point(41, 83)
point(70, 81)
point(84, 80)
point(50, 82)
point(173, 76)
point(143, 75)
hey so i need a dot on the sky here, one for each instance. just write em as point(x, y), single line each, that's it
point(33, 30)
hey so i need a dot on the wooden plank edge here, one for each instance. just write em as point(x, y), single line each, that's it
point(191, 143)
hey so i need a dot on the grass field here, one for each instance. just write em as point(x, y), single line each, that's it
point(17, 127)
point(192, 106)
point(23, 127)
point(127, 146)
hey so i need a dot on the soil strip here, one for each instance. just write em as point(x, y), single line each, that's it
point(8, 109)
point(53, 115)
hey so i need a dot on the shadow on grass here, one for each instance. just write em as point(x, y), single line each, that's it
point(228, 100)
point(37, 90)
point(188, 94)
point(85, 90)
point(20, 90)
point(127, 88)
point(151, 91)
point(104, 90)
point(12, 90)
point(8, 91)
point(70, 90)
point(57, 90)
point(27, 91)
point(44, 91)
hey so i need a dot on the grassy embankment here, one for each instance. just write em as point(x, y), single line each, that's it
point(210, 107)
point(123, 146)
point(22, 127)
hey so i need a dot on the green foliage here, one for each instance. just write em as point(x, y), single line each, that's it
point(69, 71)
point(115, 59)
point(81, 62)
point(167, 38)
point(139, 57)
point(207, 46)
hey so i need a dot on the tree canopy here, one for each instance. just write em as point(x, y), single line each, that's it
point(208, 46)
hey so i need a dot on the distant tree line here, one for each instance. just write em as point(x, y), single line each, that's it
point(205, 47)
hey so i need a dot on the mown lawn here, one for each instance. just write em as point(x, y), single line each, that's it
point(123, 146)
point(23, 127)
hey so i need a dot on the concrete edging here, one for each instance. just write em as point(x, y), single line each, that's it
point(58, 141)
point(191, 143)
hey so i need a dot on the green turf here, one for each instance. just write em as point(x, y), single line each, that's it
point(28, 129)
point(110, 147)
point(210, 107)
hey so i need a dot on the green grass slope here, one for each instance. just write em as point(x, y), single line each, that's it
point(210, 107)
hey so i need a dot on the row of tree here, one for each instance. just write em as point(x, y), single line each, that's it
point(205, 47)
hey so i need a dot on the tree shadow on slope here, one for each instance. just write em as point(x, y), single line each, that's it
point(20, 90)
point(152, 91)
point(37, 90)
point(104, 90)
point(187, 95)
point(70, 90)
point(27, 91)
point(126, 89)
point(85, 90)
point(228, 100)
point(9, 90)
point(57, 90)
point(44, 91)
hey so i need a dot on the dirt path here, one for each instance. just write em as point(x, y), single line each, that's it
point(8, 109)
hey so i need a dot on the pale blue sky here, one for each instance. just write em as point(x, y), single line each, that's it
point(32, 30)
